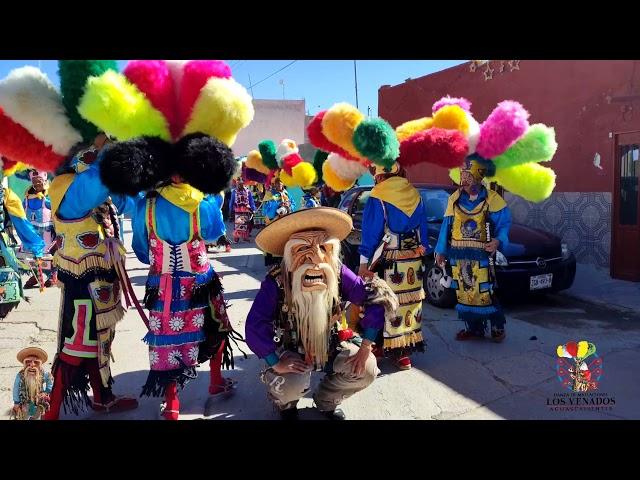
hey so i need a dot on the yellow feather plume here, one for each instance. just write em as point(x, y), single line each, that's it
point(530, 181)
point(304, 174)
point(338, 125)
point(254, 160)
point(223, 108)
point(451, 117)
point(407, 129)
point(333, 180)
point(454, 174)
point(117, 107)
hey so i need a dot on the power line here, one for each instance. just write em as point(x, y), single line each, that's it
point(277, 71)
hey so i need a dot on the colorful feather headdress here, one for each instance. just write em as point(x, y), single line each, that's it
point(169, 117)
point(507, 147)
point(349, 144)
point(34, 128)
point(39, 126)
point(282, 161)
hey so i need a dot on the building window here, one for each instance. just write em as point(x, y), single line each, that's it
point(629, 173)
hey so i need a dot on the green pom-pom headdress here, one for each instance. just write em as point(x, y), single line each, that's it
point(73, 79)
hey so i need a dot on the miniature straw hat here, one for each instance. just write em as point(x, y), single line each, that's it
point(32, 352)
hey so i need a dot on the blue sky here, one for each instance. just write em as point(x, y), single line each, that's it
point(320, 82)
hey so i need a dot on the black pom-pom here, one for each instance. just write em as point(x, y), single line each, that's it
point(205, 163)
point(136, 165)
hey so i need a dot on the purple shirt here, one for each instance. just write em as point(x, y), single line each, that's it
point(260, 321)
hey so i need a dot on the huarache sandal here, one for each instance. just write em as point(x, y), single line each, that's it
point(229, 385)
point(118, 404)
point(403, 363)
point(498, 334)
point(465, 334)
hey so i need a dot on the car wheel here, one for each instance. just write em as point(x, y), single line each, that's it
point(437, 294)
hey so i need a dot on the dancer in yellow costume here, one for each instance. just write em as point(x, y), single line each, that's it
point(394, 241)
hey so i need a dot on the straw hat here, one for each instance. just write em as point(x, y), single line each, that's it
point(32, 352)
point(273, 238)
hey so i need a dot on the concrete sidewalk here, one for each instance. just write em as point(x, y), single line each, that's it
point(594, 284)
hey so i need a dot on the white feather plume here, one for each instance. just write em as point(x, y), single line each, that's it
point(30, 99)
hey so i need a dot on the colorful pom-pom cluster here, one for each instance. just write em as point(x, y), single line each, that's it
point(350, 144)
point(168, 99)
point(282, 161)
point(505, 139)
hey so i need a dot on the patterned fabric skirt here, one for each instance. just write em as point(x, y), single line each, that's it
point(187, 324)
point(403, 272)
point(474, 290)
point(242, 225)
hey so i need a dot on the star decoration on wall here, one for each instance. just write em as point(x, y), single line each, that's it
point(488, 73)
point(501, 70)
point(514, 65)
point(472, 67)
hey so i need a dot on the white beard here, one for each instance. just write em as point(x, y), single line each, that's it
point(33, 385)
point(312, 311)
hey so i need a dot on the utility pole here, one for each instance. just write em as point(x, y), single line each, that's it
point(355, 74)
point(250, 84)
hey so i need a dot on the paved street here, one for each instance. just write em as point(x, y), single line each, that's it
point(452, 380)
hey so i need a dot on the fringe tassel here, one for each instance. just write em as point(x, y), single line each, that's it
point(110, 318)
point(154, 340)
point(201, 294)
point(211, 344)
point(76, 380)
point(78, 269)
point(473, 316)
point(150, 297)
point(467, 254)
point(476, 244)
point(235, 337)
point(5, 308)
point(407, 298)
point(413, 340)
point(477, 309)
point(105, 377)
point(475, 313)
point(157, 381)
point(410, 254)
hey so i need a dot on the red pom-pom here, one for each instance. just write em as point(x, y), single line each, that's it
point(344, 335)
point(153, 78)
point(446, 148)
point(318, 140)
point(18, 144)
point(290, 161)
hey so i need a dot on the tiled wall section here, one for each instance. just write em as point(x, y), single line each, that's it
point(582, 220)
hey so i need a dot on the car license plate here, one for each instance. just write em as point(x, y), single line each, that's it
point(538, 282)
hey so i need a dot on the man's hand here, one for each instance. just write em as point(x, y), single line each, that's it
point(492, 246)
point(290, 364)
point(16, 409)
point(359, 360)
point(364, 272)
point(440, 260)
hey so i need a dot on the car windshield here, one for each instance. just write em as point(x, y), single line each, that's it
point(435, 203)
